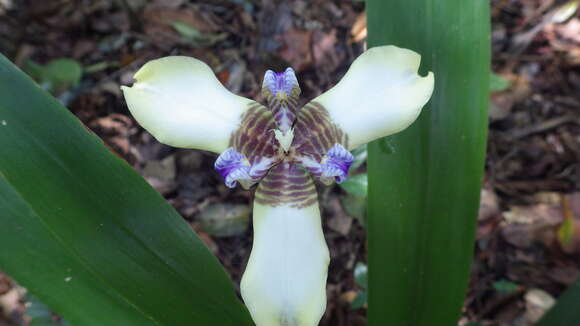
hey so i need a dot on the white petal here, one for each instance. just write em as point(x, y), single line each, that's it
point(285, 281)
point(180, 101)
point(381, 94)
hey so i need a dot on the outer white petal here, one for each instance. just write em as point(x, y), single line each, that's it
point(180, 101)
point(285, 281)
point(381, 94)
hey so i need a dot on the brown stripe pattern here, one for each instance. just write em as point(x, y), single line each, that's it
point(315, 132)
point(255, 136)
point(286, 181)
point(287, 184)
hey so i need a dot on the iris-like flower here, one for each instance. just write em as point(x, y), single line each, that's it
point(284, 149)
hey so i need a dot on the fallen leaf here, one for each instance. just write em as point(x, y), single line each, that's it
point(161, 174)
point(225, 220)
point(358, 32)
point(296, 48)
point(537, 303)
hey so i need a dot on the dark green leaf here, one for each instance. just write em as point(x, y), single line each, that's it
point(566, 312)
point(87, 235)
point(424, 183)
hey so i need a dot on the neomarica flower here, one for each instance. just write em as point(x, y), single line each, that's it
point(283, 149)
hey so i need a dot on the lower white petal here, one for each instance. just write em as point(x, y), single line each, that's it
point(285, 281)
point(180, 102)
point(381, 94)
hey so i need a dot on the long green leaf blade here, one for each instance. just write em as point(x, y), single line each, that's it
point(86, 234)
point(566, 310)
point(424, 183)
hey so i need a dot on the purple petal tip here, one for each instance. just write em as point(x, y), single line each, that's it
point(280, 82)
point(233, 166)
point(336, 163)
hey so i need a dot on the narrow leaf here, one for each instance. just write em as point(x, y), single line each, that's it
point(424, 183)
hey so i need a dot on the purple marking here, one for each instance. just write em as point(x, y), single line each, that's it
point(336, 163)
point(280, 81)
point(233, 166)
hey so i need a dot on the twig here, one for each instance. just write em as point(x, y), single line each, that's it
point(545, 125)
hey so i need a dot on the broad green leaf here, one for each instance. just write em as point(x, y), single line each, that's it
point(566, 310)
point(424, 183)
point(87, 235)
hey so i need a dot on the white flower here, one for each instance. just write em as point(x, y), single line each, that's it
point(282, 148)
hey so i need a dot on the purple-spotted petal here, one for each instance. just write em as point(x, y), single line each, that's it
point(280, 82)
point(336, 163)
point(233, 166)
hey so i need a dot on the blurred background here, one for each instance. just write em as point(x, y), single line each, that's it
point(528, 238)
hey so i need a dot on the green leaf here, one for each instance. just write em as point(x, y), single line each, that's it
point(424, 183)
point(360, 275)
point(356, 185)
point(63, 72)
point(87, 235)
point(57, 76)
point(497, 83)
point(505, 287)
point(360, 300)
point(565, 312)
point(355, 206)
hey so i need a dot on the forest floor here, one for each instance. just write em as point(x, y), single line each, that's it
point(528, 238)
